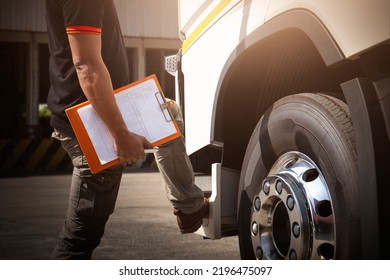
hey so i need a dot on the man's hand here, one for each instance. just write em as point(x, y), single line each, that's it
point(130, 147)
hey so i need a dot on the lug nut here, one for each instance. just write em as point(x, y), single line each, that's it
point(279, 187)
point(259, 253)
point(255, 228)
point(293, 255)
point(266, 188)
point(296, 230)
point(257, 203)
point(290, 203)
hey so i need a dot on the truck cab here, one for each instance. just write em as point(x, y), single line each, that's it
point(287, 106)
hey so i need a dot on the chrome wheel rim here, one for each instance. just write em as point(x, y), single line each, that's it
point(292, 214)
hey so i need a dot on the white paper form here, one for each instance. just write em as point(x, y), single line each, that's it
point(142, 113)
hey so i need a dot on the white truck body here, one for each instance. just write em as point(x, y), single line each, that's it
point(242, 58)
point(212, 30)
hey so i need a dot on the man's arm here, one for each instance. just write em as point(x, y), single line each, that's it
point(95, 82)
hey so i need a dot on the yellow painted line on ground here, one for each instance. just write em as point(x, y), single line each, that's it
point(16, 154)
point(204, 24)
point(56, 160)
point(38, 154)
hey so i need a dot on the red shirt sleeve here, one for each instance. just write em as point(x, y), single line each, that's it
point(83, 29)
point(83, 16)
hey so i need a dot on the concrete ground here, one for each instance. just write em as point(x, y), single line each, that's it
point(32, 210)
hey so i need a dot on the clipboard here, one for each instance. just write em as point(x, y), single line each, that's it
point(145, 111)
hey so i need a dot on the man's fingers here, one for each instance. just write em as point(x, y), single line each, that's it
point(147, 144)
point(133, 150)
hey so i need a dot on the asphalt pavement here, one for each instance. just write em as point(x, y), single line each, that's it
point(32, 211)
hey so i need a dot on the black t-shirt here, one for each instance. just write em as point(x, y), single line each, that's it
point(80, 16)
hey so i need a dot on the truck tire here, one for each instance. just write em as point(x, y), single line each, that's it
point(298, 196)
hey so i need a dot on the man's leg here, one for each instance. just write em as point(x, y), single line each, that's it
point(178, 176)
point(92, 199)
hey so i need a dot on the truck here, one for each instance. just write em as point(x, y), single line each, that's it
point(287, 107)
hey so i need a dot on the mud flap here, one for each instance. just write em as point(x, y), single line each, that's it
point(222, 219)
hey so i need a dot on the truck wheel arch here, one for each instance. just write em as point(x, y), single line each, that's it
point(300, 25)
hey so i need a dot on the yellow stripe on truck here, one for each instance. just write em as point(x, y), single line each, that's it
point(204, 24)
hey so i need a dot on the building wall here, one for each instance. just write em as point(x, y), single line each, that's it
point(138, 18)
point(22, 15)
point(148, 18)
point(150, 29)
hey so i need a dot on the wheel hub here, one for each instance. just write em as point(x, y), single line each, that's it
point(292, 214)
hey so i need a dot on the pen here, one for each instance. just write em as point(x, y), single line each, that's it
point(150, 151)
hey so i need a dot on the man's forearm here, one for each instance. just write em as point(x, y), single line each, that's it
point(95, 81)
point(96, 85)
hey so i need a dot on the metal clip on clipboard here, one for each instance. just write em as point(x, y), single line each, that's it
point(165, 105)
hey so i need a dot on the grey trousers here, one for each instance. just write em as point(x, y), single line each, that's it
point(177, 173)
point(93, 196)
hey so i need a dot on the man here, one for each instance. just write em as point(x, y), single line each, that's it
point(88, 60)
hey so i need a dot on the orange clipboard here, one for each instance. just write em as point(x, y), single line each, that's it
point(140, 88)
